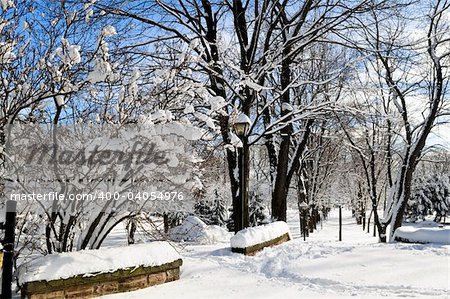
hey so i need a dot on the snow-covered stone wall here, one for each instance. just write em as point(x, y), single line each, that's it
point(91, 273)
point(412, 234)
point(253, 239)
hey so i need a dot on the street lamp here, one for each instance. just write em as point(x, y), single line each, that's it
point(303, 207)
point(241, 127)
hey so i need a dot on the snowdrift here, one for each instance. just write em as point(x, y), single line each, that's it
point(195, 230)
point(412, 234)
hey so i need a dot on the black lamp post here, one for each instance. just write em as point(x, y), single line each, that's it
point(303, 207)
point(8, 249)
point(241, 127)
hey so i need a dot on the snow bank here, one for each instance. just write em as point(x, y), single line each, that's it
point(259, 234)
point(423, 234)
point(92, 262)
point(195, 230)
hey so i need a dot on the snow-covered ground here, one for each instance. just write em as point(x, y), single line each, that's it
point(321, 267)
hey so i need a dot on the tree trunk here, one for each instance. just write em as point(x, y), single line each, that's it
point(166, 222)
point(279, 195)
point(131, 231)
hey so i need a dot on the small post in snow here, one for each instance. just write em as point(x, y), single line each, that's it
point(364, 220)
point(303, 207)
point(340, 223)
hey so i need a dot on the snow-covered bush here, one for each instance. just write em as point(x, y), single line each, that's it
point(195, 230)
point(430, 196)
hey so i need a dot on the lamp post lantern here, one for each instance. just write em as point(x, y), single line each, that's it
point(241, 127)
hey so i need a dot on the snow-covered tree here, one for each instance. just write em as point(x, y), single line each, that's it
point(258, 211)
point(430, 196)
point(211, 211)
point(99, 177)
point(369, 138)
point(400, 71)
point(406, 83)
point(272, 64)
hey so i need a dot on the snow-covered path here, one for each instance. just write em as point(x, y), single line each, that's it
point(321, 267)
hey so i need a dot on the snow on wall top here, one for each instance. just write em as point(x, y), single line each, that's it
point(91, 262)
point(424, 234)
point(259, 234)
